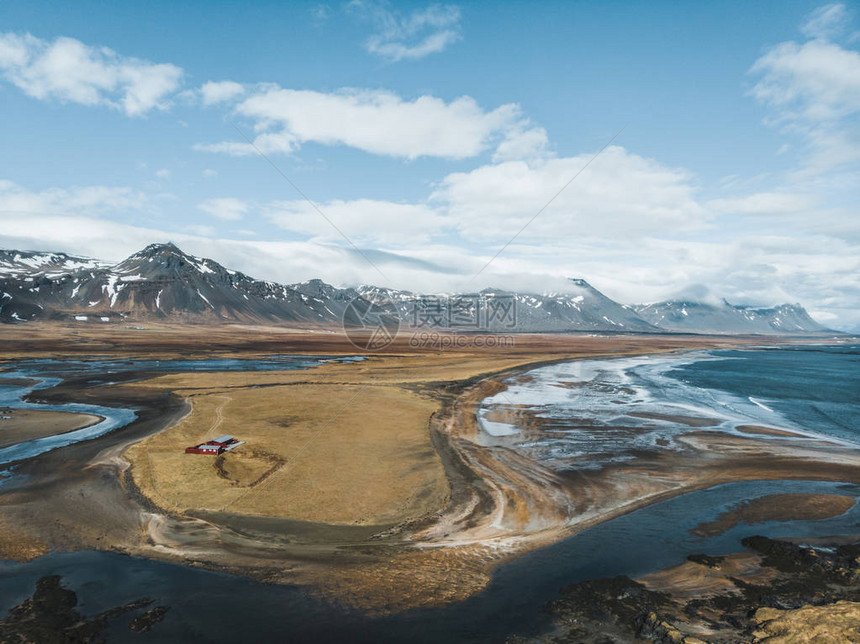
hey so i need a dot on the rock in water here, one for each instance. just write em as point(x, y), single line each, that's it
point(49, 617)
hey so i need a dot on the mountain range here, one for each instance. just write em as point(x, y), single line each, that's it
point(701, 317)
point(163, 283)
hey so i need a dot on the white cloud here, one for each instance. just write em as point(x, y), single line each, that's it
point(16, 200)
point(227, 208)
point(378, 122)
point(70, 71)
point(201, 230)
point(280, 261)
point(823, 316)
point(813, 91)
point(164, 173)
point(825, 22)
point(618, 196)
point(412, 36)
point(815, 81)
point(213, 93)
point(363, 221)
point(209, 173)
point(522, 142)
point(395, 51)
point(764, 203)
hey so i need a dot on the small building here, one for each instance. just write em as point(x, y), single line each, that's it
point(203, 448)
point(215, 446)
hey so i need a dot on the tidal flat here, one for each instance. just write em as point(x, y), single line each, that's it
point(368, 483)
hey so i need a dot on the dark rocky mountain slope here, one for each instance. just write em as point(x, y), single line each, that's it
point(161, 282)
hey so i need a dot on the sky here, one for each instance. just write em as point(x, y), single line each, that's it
point(656, 149)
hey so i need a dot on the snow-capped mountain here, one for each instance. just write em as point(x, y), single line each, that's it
point(159, 282)
point(163, 283)
point(583, 308)
point(14, 263)
point(700, 317)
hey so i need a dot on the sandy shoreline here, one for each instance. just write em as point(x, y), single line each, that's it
point(500, 505)
point(777, 507)
point(21, 425)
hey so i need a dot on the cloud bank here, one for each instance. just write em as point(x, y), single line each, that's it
point(67, 70)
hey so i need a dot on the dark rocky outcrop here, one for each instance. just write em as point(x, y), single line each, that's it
point(801, 576)
point(49, 617)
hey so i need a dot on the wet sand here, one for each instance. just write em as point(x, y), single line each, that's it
point(17, 382)
point(19, 425)
point(777, 507)
point(767, 431)
point(689, 421)
point(500, 504)
point(531, 502)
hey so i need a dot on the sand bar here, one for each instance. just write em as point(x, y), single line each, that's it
point(19, 425)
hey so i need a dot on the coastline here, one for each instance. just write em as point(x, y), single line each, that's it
point(513, 493)
point(499, 507)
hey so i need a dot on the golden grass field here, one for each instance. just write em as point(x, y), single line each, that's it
point(340, 443)
point(327, 453)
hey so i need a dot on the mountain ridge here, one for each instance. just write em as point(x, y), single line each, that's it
point(161, 282)
point(725, 318)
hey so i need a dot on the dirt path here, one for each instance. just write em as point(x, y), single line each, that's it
point(219, 418)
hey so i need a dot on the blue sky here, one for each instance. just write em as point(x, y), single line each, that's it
point(431, 133)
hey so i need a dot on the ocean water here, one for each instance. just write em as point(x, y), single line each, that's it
point(586, 414)
point(815, 388)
